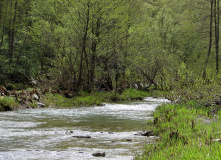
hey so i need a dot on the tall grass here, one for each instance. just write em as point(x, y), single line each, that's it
point(186, 131)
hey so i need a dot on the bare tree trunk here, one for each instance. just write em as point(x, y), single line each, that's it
point(216, 17)
point(13, 34)
point(95, 31)
point(9, 34)
point(3, 25)
point(210, 40)
point(83, 50)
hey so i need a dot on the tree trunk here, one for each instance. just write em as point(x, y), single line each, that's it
point(13, 34)
point(210, 40)
point(95, 31)
point(9, 35)
point(216, 17)
point(3, 25)
point(83, 50)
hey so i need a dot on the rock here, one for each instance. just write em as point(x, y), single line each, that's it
point(153, 137)
point(33, 82)
point(4, 91)
point(147, 133)
point(35, 97)
point(40, 104)
point(216, 140)
point(69, 132)
point(100, 104)
point(99, 154)
point(81, 136)
point(129, 139)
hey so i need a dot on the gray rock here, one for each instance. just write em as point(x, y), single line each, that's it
point(216, 140)
point(35, 97)
point(99, 154)
point(69, 132)
point(40, 104)
point(147, 133)
point(81, 136)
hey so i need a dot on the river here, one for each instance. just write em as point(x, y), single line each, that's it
point(49, 133)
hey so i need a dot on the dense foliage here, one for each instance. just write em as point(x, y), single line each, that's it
point(112, 44)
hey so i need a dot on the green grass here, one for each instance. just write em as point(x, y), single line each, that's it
point(7, 103)
point(194, 138)
point(83, 100)
point(96, 98)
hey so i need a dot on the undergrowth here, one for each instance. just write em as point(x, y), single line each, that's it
point(7, 103)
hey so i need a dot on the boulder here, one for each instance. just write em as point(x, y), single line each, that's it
point(147, 133)
point(35, 97)
point(99, 154)
point(40, 104)
point(81, 136)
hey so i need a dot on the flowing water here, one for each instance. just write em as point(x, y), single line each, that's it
point(49, 133)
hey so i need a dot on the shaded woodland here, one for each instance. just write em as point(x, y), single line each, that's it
point(113, 44)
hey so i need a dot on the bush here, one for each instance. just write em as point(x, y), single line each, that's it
point(7, 103)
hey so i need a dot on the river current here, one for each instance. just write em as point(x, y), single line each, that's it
point(53, 133)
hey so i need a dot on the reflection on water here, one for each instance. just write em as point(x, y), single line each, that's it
point(47, 133)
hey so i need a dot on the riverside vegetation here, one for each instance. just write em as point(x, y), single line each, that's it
point(24, 98)
point(190, 128)
point(163, 47)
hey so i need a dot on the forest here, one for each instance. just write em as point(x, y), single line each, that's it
point(89, 52)
point(92, 44)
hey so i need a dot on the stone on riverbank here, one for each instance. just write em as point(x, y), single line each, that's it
point(81, 136)
point(147, 133)
point(99, 154)
point(41, 105)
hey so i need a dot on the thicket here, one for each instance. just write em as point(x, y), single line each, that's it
point(92, 45)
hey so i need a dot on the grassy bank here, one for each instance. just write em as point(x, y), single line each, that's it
point(84, 99)
point(186, 131)
point(97, 98)
point(7, 103)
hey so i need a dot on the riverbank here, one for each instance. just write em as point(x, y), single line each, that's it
point(77, 132)
point(186, 131)
point(32, 98)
